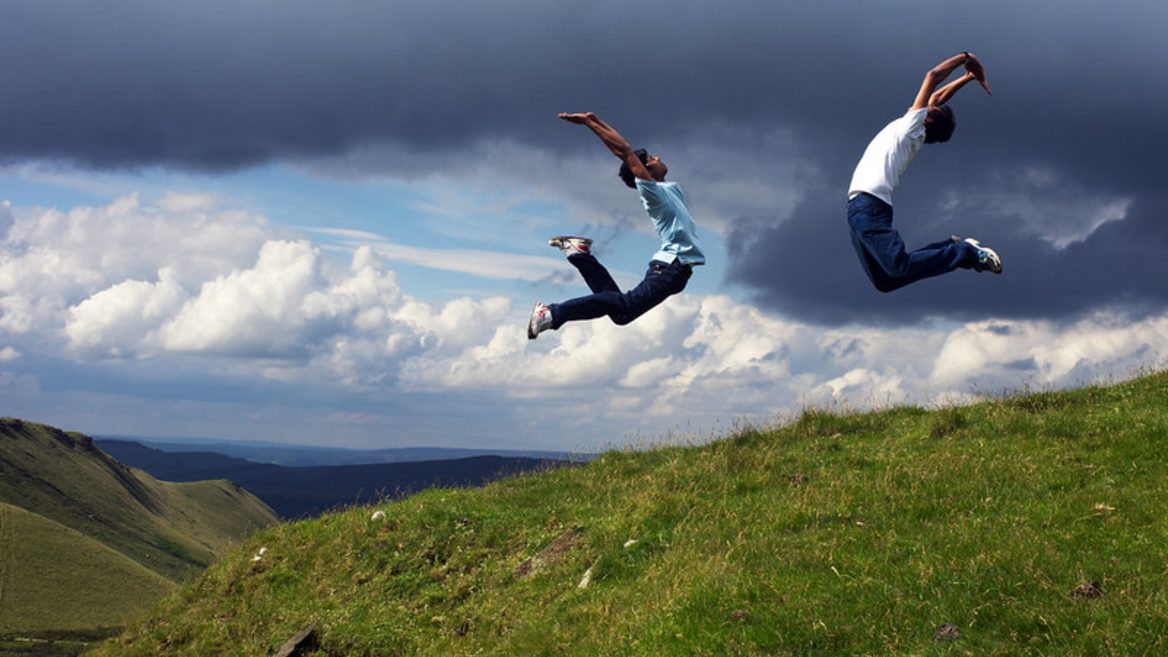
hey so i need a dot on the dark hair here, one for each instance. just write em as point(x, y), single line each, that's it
point(940, 126)
point(626, 174)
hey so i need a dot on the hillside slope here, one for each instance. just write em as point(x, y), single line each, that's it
point(1023, 526)
point(95, 585)
point(174, 529)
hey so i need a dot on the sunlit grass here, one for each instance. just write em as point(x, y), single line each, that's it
point(54, 578)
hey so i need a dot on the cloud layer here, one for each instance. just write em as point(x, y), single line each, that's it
point(216, 296)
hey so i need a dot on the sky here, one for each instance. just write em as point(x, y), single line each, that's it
point(326, 223)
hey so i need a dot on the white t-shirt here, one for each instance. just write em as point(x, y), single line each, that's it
point(888, 155)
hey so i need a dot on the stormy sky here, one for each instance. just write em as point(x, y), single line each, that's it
point(761, 110)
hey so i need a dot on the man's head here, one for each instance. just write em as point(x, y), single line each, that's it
point(653, 165)
point(939, 124)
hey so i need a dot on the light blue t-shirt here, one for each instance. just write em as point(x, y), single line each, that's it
point(665, 203)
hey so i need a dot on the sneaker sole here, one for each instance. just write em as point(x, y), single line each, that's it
point(994, 262)
point(531, 322)
point(560, 241)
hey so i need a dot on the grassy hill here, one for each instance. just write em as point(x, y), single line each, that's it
point(1035, 525)
point(97, 586)
point(174, 529)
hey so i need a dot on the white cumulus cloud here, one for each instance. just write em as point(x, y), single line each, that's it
point(1004, 352)
point(260, 310)
point(122, 318)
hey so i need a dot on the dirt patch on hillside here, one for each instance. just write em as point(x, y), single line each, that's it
point(555, 552)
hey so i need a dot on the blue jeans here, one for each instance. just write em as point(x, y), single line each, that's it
point(882, 252)
point(661, 281)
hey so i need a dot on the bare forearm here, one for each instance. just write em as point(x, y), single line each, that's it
point(945, 68)
point(942, 95)
point(612, 139)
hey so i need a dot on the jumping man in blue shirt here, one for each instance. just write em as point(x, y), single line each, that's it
point(671, 266)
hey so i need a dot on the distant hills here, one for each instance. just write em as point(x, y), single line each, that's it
point(308, 455)
point(298, 492)
point(72, 517)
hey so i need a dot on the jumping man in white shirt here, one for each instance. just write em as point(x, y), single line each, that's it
point(881, 250)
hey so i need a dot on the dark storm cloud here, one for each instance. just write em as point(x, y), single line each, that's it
point(224, 83)
point(216, 85)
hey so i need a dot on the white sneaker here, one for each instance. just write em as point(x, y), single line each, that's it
point(987, 258)
point(541, 320)
point(571, 245)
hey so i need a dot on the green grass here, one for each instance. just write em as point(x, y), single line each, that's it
point(841, 534)
point(96, 586)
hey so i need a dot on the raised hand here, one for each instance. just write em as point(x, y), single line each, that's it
point(973, 65)
point(578, 118)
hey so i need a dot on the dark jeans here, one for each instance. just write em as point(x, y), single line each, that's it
point(661, 280)
point(882, 252)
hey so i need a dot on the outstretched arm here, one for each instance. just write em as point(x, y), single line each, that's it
point(612, 139)
point(930, 96)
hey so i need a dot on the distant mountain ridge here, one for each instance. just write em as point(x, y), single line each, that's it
point(297, 492)
point(310, 455)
